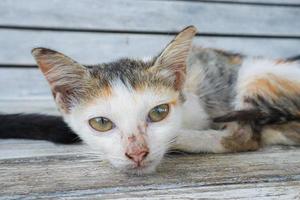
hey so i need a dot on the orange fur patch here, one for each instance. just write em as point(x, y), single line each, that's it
point(106, 91)
point(273, 86)
point(92, 98)
point(235, 60)
point(174, 102)
point(282, 61)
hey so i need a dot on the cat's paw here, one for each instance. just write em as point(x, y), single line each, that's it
point(240, 139)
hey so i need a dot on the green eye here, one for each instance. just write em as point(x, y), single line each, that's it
point(101, 124)
point(158, 113)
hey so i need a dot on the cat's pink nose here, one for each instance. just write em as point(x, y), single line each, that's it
point(137, 156)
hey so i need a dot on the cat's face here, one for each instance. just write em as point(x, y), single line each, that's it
point(128, 110)
point(142, 125)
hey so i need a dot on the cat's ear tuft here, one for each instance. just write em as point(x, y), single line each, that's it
point(172, 61)
point(66, 77)
point(48, 59)
point(40, 54)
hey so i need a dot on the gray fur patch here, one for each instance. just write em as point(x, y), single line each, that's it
point(133, 73)
point(216, 90)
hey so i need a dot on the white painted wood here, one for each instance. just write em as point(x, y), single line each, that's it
point(285, 2)
point(13, 149)
point(28, 84)
point(22, 105)
point(151, 16)
point(91, 48)
point(268, 173)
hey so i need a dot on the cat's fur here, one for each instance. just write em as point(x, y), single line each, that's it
point(258, 101)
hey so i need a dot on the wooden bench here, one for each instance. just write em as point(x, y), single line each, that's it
point(92, 32)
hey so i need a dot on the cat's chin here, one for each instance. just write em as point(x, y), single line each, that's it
point(147, 168)
point(140, 170)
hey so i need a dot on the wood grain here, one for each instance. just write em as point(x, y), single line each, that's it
point(272, 172)
point(160, 16)
point(16, 149)
point(279, 2)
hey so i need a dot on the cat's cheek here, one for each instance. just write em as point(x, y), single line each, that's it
point(108, 143)
point(165, 131)
point(120, 164)
point(162, 135)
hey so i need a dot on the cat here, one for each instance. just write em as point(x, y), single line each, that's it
point(187, 98)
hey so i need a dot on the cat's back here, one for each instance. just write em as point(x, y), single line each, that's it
point(212, 75)
point(272, 84)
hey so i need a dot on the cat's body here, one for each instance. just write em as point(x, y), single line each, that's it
point(226, 82)
point(133, 111)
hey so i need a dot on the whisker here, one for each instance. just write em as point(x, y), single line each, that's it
point(177, 152)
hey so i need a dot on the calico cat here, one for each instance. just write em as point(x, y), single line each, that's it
point(188, 98)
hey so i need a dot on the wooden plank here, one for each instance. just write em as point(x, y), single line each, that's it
point(279, 2)
point(16, 149)
point(160, 16)
point(22, 105)
point(267, 173)
point(263, 191)
point(91, 48)
point(18, 84)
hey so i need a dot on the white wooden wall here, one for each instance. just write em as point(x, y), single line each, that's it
point(95, 31)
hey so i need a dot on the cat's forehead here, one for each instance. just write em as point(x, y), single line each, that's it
point(131, 72)
point(124, 102)
point(121, 67)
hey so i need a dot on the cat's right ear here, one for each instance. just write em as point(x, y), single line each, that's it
point(66, 77)
point(171, 63)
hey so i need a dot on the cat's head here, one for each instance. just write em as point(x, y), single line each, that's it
point(128, 110)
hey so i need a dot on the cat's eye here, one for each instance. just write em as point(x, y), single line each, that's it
point(158, 113)
point(101, 124)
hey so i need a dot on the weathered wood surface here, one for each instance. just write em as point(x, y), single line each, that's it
point(161, 16)
point(91, 48)
point(267, 2)
point(28, 106)
point(71, 172)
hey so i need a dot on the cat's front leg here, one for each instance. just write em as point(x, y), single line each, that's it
point(234, 138)
point(196, 141)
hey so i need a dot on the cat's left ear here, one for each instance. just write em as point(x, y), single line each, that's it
point(69, 81)
point(171, 63)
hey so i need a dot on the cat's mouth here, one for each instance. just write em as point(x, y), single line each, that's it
point(143, 168)
point(142, 165)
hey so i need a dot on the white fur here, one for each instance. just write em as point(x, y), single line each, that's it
point(128, 109)
point(194, 115)
point(196, 141)
point(252, 69)
point(255, 68)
